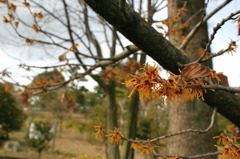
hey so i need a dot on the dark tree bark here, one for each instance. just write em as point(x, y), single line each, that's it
point(153, 44)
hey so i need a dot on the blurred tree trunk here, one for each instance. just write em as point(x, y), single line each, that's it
point(190, 114)
point(112, 148)
point(128, 153)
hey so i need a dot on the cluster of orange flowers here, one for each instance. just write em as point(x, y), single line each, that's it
point(99, 131)
point(150, 85)
point(232, 46)
point(146, 149)
point(115, 137)
point(171, 28)
point(229, 146)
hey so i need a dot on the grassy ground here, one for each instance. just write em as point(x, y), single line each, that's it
point(72, 144)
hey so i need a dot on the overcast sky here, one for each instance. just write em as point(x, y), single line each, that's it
point(12, 56)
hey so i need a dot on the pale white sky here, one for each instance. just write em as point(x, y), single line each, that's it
point(12, 56)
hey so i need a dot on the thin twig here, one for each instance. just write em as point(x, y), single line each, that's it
point(130, 50)
point(197, 26)
point(191, 157)
point(181, 132)
point(215, 30)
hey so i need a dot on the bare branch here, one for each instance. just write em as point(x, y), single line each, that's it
point(181, 132)
point(216, 87)
point(195, 29)
point(191, 157)
point(219, 25)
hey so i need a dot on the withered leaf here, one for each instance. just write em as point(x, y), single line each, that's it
point(63, 57)
point(71, 104)
point(25, 98)
point(195, 71)
point(224, 80)
point(61, 97)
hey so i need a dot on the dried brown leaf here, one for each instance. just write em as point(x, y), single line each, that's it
point(195, 71)
point(61, 97)
point(63, 57)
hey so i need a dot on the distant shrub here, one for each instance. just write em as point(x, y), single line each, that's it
point(11, 116)
point(39, 135)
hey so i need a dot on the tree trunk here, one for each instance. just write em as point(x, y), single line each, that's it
point(112, 148)
point(190, 114)
point(128, 153)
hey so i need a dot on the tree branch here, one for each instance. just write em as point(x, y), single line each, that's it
point(191, 157)
point(197, 26)
point(155, 45)
point(181, 132)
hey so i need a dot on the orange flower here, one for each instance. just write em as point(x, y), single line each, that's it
point(30, 42)
point(15, 24)
point(115, 136)
point(26, 4)
point(12, 7)
point(182, 10)
point(232, 46)
point(136, 145)
point(226, 152)
point(38, 15)
point(100, 131)
point(148, 149)
point(237, 153)
point(145, 83)
point(222, 140)
point(35, 27)
point(5, 20)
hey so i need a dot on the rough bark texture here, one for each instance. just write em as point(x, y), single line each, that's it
point(112, 148)
point(190, 114)
point(156, 46)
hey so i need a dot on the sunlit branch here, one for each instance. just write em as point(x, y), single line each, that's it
point(197, 26)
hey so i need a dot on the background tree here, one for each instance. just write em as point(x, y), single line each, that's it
point(12, 116)
point(192, 114)
point(39, 135)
